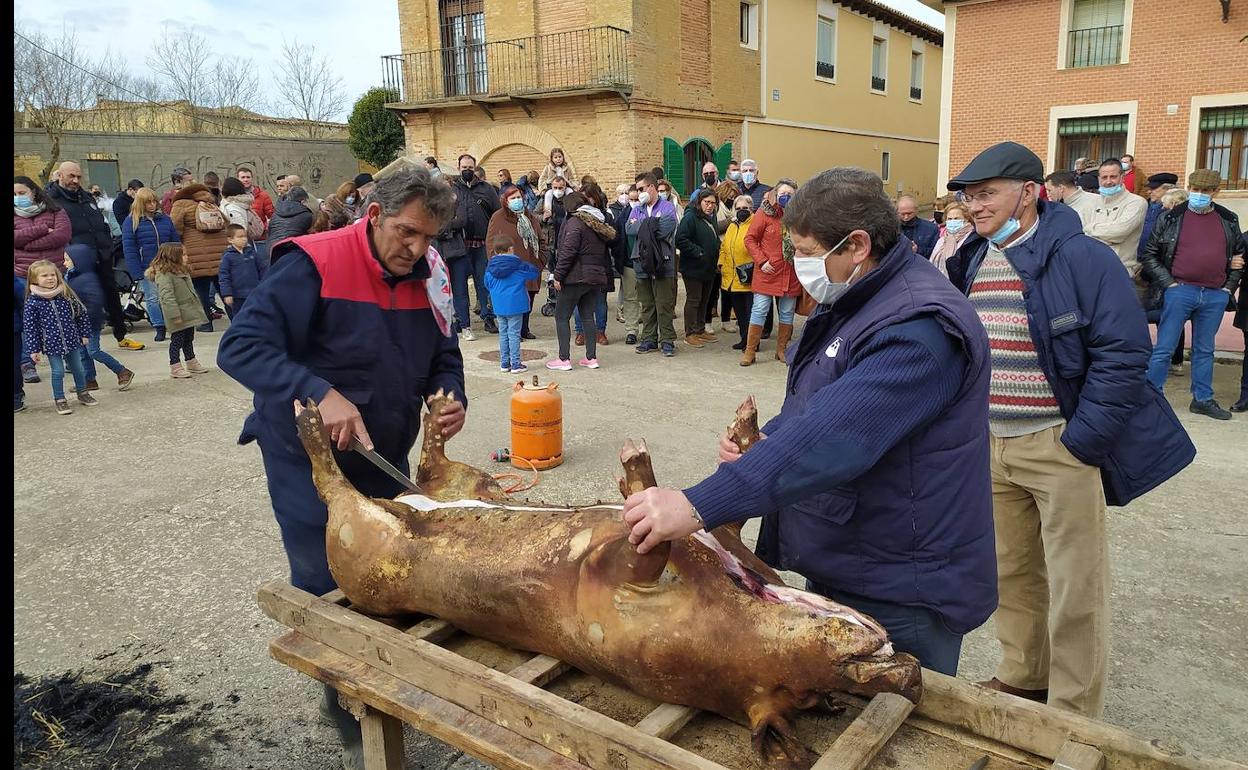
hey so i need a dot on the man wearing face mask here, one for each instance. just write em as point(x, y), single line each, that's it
point(710, 177)
point(1117, 220)
point(825, 478)
point(734, 172)
point(1074, 424)
point(482, 203)
point(750, 185)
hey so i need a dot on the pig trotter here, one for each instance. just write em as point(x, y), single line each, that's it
point(443, 478)
point(638, 473)
point(744, 429)
point(776, 742)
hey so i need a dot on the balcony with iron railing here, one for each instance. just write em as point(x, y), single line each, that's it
point(878, 84)
point(916, 93)
point(1094, 47)
point(577, 61)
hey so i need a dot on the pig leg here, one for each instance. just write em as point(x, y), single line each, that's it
point(774, 738)
point(742, 431)
point(638, 473)
point(443, 478)
point(618, 562)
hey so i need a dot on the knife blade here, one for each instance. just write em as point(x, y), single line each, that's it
point(385, 466)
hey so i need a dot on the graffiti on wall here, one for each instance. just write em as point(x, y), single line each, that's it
point(310, 167)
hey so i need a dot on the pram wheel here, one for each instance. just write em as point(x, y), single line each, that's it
point(548, 309)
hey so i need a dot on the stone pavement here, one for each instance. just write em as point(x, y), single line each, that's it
point(142, 529)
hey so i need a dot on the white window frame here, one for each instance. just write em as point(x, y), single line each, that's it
point(1063, 35)
point(881, 34)
point(1200, 103)
point(826, 10)
point(1057, 113)
point(752, 24)
point(917, 47)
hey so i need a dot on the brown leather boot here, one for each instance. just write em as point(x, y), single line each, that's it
point(782, 341)
point(751, 344)
point(1040, 696)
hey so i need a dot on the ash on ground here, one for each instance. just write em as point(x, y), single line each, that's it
point(123, 718)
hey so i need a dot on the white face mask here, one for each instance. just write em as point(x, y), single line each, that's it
point(644, 197)
point(558, 192)
point(813, 276)
point(623, 199)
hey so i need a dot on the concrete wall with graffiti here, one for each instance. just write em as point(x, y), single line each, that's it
point(322, 163)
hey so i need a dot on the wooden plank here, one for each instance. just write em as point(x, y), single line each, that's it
point(1078, 756)
point(666, 720)
point(336, 596)
point(572, 730)
point(427, 713)
point(1043, 730)
point(382, 737)
point(539, 671)
point(432, 630)
point(862, 740)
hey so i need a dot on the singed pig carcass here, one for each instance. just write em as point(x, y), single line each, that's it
point(700, 622)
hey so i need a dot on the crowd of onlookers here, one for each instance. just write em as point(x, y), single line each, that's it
point(566, 239)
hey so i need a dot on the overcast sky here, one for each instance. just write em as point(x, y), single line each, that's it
point(353, 34)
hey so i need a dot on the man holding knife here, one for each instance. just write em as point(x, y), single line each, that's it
point(350, 319)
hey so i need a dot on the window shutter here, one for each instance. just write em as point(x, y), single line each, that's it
point(674, 163)
point(722, 157)
point(1222, 118)
point(1110, 124)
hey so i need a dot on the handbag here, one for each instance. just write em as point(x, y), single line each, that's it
point(806, 304)
point(745, 273)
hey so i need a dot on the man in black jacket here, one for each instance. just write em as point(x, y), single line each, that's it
point(1189, 258)
point(124, 200)
point(483, 200)
point(90, 228)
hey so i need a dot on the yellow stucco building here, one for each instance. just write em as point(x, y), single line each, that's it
point(624, 85)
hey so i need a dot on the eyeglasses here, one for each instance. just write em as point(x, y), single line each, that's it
point(981, 197)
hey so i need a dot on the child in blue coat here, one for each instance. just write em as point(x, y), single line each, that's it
point(54, 324)
point(505, 275)
point(81, 264)
point(241, 270)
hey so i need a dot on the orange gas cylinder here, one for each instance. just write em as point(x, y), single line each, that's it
point(536, 425)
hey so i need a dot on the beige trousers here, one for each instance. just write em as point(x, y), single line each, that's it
point(628, 301)
point(1052, 570)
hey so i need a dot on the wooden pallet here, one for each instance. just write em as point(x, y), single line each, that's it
point(518, 710)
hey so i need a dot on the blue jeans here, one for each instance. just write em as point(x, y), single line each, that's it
point(600, 314)
point(916, 630)
point(461, 268)
point(152, 300)
point(762, 305)
point(92, 353)
point(509, 340)
point(1204, 307)
point(479, 258)
point(204, 288)
point(74, 359)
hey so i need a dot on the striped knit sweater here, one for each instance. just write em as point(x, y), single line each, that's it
point(1020, 399)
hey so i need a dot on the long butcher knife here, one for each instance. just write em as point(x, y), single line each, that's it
point(385, 466)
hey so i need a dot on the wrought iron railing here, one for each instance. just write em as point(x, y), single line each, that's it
point(878, 84)
point(1094, 47)
point(825, 69)
point(916, 93)
point(592, 58)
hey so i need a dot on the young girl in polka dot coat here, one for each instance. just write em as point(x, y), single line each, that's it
point(55, 324)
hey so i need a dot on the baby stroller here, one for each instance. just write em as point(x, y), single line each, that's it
point(131, 291)
point(548, 309)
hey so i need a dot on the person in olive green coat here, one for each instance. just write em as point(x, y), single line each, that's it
point(180, 304)
point(697, 239)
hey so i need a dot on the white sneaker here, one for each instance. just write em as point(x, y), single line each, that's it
point(468, 335)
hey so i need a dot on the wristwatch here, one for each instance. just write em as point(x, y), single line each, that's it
point(696, 516)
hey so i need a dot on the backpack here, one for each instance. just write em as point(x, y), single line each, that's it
point(255, 228)
point(208, 218)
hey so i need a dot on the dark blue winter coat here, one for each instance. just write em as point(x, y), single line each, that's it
point(329, 316)
point(874, 478)
point(53, 327)
point(84, 279)
point(1150, 221)
point(140, 245)
point(505, 275)
point(1092, 339)
point(240, 273)
point(924, 232)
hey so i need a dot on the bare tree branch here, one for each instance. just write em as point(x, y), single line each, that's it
point(181, 59)
point(307, 86)
point(233, 91)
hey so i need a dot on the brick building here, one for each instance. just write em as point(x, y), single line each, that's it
point(1166, 82)
point(624, 85)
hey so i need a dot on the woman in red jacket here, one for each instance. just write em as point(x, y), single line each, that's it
point(772, 251)
point(41, 229)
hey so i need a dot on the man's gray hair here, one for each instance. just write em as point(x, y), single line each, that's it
point(840, 200)
point(749, 162)
point(405, 182)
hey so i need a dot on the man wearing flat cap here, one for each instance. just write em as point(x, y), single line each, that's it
point(1074, 423)
point(1194, 258)
point(1158, 185)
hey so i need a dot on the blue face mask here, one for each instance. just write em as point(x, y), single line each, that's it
point(954, 225)
point(734, 175)
point(784, 200)
point(748, 177)
point(1108, 191)
point(21, 201)
point(1011, 225)
point(515, 204)
point(1199, 201)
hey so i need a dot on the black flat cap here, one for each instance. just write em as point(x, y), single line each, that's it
point(1157, 180)
point(361, 180)
point(1007, 160)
